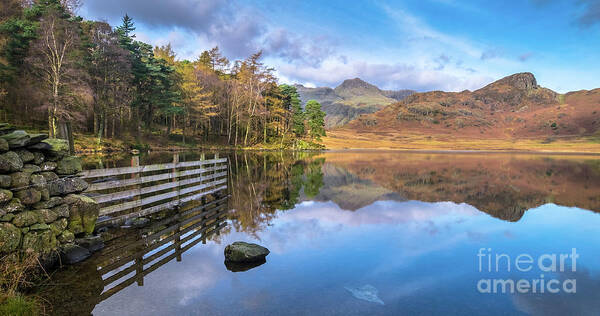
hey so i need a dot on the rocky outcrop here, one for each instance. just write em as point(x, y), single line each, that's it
point(40, 206)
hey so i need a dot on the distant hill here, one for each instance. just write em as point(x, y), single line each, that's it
point(512, 107)
point(350, 99)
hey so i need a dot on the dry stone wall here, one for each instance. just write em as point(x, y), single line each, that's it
point(41, 208)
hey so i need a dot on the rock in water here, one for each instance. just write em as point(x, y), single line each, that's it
point(241, 251)
point(366, 293)
point(137, 222)
point(71, 254)
point(91, 243)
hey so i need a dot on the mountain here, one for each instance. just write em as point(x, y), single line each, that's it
point(350, 99)
point(512, 107)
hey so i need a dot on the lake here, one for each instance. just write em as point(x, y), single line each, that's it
point(364, 233)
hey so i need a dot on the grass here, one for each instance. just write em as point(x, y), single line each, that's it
point(18, 272)
point(19, 305)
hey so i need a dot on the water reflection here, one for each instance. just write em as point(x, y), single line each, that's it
point(131, 255)
point(407, 225)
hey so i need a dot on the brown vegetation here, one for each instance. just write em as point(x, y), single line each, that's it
point(513, 113)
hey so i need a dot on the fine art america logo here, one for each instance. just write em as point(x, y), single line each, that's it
point(549, 265)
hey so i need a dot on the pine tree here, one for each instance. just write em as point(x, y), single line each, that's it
point(127, 27)
point(293, 104)
point(316, 119)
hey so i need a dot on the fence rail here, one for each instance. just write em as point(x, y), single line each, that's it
point(136, 191)
point(131, 263)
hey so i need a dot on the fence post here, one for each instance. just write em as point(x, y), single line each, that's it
point(174, 175)
point(139, 269)
point(177, 242)
point(135, 162)
point(215, 166)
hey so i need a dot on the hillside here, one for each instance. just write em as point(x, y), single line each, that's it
point(512, 108)
point(350, 99)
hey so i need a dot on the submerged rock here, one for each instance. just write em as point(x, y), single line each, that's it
point(91, 243)
point(241, 251)
point(366, 293)
point(71, 254)
point(137, 222)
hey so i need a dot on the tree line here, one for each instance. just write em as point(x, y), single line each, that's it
point(56, 68)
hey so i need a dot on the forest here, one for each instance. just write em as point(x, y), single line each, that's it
point(58, 69)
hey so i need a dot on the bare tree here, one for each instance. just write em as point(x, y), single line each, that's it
point(51, 59)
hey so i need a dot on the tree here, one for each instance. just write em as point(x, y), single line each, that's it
point(214, 60)
point(166, 53)
point(292, 99)
point(195, 97)
point(126, 29)
point(109, 73)
point(53, 61)
point(254, 78)
point(316, 119)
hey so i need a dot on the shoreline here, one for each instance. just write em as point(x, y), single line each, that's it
point(358, 150)
point(465, 151)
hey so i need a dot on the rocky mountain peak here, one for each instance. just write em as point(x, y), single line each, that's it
point(522, 81)
point(356, 83)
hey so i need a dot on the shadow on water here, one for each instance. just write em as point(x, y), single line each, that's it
point(243, 266)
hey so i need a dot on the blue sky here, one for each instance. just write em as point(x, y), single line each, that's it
point(413, 44)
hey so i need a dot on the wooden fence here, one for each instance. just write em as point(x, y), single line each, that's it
point(136, 191)
point(127, 261)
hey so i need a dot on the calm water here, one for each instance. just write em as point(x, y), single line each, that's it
point(367, 234)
